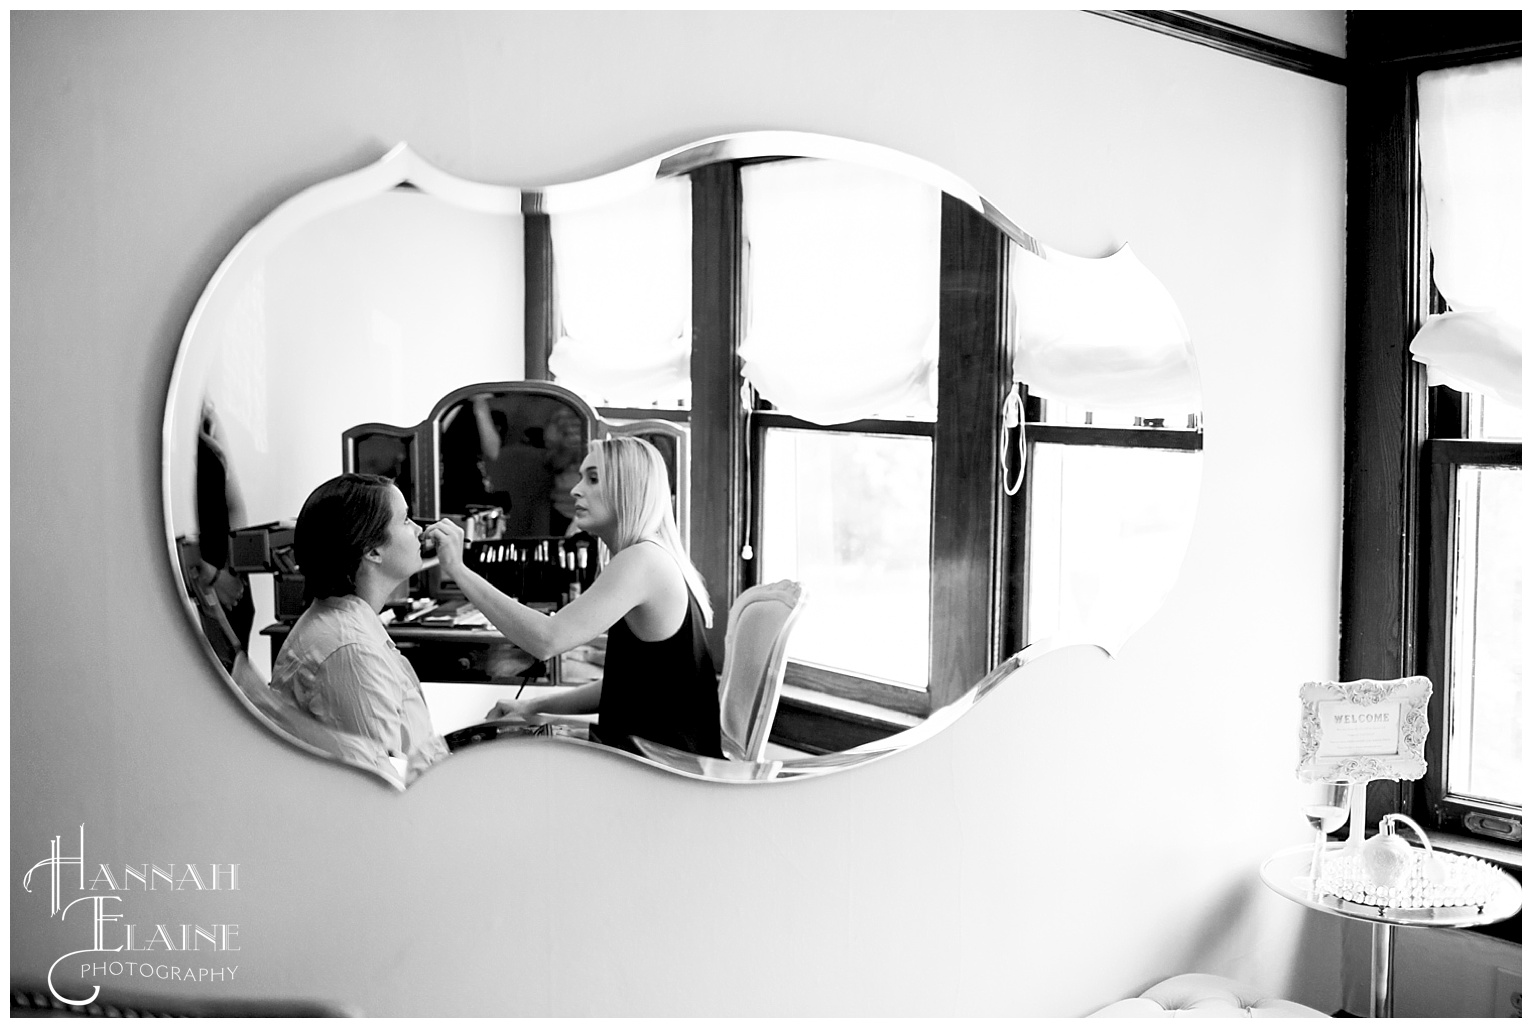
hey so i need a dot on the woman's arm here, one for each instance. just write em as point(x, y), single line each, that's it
point(582, 699)
point(628, 580)
point(489, 439)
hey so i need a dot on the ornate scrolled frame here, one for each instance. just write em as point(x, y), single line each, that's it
point(1407, 763)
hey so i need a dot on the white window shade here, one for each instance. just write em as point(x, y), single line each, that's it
point(623, 275)
point(1470, 163)
point(843, 275)
point(1103, 334)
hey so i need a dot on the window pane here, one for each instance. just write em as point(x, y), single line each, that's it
point(1484, 737)
point(1492, 418)
point(1108, 528)
point(849, 516)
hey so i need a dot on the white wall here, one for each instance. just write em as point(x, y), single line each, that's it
point(345, 301)
point(1088, 830)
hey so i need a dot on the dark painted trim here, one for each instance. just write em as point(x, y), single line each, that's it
point(1092, 435)
point(810, 728)
point(1403, 41)
point(540, 308)
point(1385, 398)
point(1492, 453)
point(718, 418)
point(1385, 575)
point(967, 547)
point(1411, 42)
point(1220, 35)
point(644, 414)
point(861, 688)
point(1015, 632)
point(871, 426)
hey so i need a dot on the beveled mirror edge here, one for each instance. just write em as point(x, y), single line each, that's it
point(401, 165)
point(734, 772)
point(194, 621)
point(614, 185)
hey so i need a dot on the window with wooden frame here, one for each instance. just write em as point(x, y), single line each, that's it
point(609, 309)
point(910, 495)
point(851, 338)
point(930, 485)
point(1470, 636)
point(838, 354)
point(1430, 582)
point(1469, 129)
point(1101, 520)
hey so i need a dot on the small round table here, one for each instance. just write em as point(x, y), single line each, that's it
point(1286, 873)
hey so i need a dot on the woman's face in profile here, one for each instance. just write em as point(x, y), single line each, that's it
point(592, 512)
point(400, 549)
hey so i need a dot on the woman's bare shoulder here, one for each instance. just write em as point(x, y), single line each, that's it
point(642, 560)
point(649, 561)
point(652, 571)
point(646, 552)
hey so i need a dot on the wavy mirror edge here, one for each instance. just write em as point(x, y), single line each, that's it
point(736, 772)
point(402, 166)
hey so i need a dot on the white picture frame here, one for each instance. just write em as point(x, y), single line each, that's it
point(1363, 730)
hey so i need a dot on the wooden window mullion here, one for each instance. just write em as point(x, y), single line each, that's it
point(540, 307)
point(717, 416)
point(966, 548)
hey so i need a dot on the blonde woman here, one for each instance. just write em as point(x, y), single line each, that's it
point(660, 683)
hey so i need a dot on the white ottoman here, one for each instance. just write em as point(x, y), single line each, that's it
point(1205, 995)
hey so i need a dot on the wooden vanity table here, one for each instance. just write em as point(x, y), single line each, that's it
point(453, 653)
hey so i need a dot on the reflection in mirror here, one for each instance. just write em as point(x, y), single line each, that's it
point(514, 451)
point(780, 315)
point(382, 450)
point(505, 455)
point(670, 438)
point(622, 281)
point(872, 573)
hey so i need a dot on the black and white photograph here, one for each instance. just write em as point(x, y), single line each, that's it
point(766, 513)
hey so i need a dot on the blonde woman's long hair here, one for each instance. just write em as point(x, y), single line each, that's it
point(637, 485)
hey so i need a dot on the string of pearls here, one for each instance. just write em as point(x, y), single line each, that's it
point(1446, 880)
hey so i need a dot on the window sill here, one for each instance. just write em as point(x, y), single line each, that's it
point(869, 712)
point(874, 697)
point(813, 722)
point(1504, 854)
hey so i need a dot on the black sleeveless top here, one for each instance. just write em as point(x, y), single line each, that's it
point(665, 691)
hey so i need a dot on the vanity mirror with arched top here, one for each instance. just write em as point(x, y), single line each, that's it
point(509, 445)
point(863, 378)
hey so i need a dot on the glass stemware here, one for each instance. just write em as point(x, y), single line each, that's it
point(1326, 805)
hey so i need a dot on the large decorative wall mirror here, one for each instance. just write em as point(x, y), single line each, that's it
point(966, 447)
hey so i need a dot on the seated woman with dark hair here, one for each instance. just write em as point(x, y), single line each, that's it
point(355, 544)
